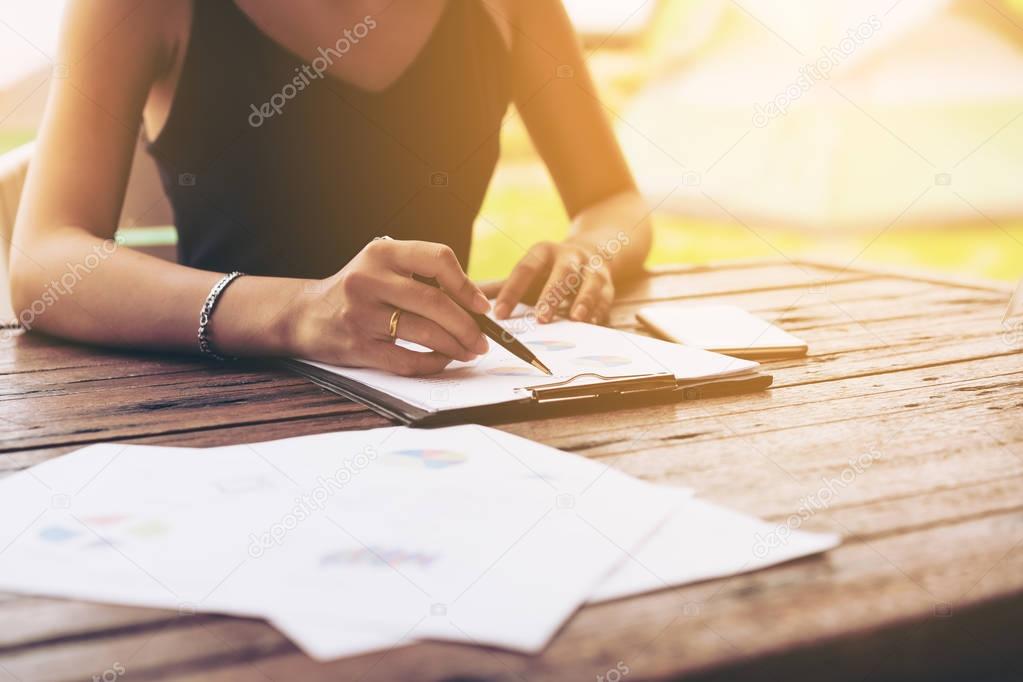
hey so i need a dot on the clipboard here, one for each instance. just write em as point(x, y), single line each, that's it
point(542, 400)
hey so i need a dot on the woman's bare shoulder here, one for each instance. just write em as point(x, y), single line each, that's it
point(110, 30)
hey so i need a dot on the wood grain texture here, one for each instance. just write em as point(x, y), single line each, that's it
point(913, 372)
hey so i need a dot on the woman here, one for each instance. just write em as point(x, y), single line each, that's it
point(289, 136)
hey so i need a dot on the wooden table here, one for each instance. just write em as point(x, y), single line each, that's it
point(916, 372)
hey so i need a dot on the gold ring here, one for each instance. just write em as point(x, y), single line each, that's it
point(392, 329)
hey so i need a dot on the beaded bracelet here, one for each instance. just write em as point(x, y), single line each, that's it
point(207, 311)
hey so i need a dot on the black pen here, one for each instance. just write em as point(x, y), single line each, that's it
point(496, 332)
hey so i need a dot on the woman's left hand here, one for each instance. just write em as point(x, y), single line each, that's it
point(568, 275)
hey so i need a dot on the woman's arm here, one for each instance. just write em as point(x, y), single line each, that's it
point(611, 231)
point(70, 279)
point(75, 188)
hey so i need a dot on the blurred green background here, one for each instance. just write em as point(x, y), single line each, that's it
point(522, 206)
point(529, 214)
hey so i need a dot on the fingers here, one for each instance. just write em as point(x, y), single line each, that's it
point(418, 329)
point(433, 260)
point(602, 312)
point(565, 279)
point(595, 294)
point(350, 321)
point(436, 306)
point(568, 279)
point(404, 362)
point(534, 264)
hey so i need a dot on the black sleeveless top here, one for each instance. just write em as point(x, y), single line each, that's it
point(273, 171)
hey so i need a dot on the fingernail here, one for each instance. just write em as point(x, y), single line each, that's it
point(481, 346)
point(580, 312)
point(480, 303)
point(594, 320)
point(501, 310)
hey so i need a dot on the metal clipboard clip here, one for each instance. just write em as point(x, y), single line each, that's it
point(633, 383)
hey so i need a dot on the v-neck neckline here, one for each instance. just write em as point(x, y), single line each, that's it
point(404, 75)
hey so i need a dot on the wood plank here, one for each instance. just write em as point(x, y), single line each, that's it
point(42, 621)
point(122, 371)
point(234, 434)
point(851, 398)
point(958, 280)
point(880, 289)
point(701, 281)
point(187, 402)
point(868, 301)
point(923, 393)
point(892, 357)
point(194, 637)
point(848, 337)
point(24, 353)
point(772, 474)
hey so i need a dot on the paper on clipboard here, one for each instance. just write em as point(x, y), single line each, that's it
point(573, 350)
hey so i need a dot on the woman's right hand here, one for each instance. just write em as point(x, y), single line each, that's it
point(344, 319)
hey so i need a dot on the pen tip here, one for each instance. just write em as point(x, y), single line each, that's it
point(542, 367)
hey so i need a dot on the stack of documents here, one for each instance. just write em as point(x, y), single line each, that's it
point(358, 541)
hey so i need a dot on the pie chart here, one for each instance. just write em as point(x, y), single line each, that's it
point(430, 458)
point(551, 344)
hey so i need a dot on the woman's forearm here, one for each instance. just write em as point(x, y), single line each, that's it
point(70, 283)
point(618, 230)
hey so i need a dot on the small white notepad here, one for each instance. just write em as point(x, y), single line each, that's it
point(723, 329)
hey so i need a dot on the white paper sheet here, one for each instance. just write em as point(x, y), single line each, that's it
point(568, 348)
point(129, 524)
point(514, 528)
point(371, 529)
point(701, 541)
